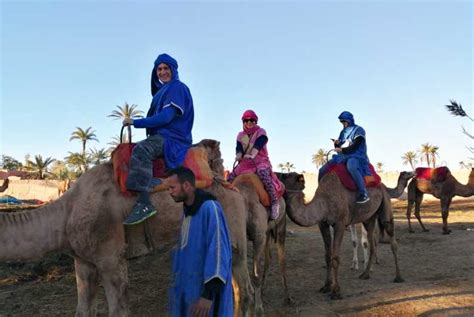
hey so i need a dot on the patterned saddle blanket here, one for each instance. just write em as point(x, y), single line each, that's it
point(346, 179)
point(196, 160)
point(254, 180)
point(434, 175)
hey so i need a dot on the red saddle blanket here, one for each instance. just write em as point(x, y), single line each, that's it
point(196, 160)
point(346, 178)
point(432, 174)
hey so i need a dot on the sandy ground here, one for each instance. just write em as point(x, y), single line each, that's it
point(438, 271)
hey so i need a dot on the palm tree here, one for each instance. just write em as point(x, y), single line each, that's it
point(379, 167)
point(410, 158)
point(425, 153)
point(116, 141)
point(78, 161)
point(434, 153)
point(83, 136)
point(59, 170)
point(126, 111)
point(320, 158)
point(40, 166)
point(99, 156)
point(286, 167)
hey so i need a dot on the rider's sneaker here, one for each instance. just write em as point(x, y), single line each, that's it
point(362, 198)
point(140, 212)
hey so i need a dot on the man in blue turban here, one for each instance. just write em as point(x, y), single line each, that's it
point(202, 265)
point(351, 149)
point(168, 125)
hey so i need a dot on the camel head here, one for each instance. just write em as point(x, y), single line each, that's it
point(406, 175)
point(214, 156)
point(292, 181)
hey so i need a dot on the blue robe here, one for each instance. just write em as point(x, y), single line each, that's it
point(177, 133)
point(347, 136)
point(203, 253)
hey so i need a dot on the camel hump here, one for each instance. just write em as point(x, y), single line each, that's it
point(254, 181)
point(434, 175)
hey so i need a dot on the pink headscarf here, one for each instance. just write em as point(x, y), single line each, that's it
point(250, 114)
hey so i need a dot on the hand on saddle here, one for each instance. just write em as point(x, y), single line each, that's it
point(251, 155)
point(238, 157)
point(127, 121)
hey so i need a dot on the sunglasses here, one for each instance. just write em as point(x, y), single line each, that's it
point(248, 120)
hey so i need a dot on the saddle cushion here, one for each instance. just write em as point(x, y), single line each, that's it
point(434, 175)
point(196, 160)
point(254, 180)
point(346, 179)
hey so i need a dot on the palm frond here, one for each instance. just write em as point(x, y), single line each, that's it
point(456, 109)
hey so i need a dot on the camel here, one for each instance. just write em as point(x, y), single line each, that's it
point(4, 185)
point(444, 191)
point(395, 192)
point(334, 205)
point(87, 221)
point(260, 233)
point(63, 186)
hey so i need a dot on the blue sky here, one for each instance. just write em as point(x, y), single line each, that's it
point(393, 64)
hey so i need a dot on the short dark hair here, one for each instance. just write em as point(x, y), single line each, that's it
point(184, 174)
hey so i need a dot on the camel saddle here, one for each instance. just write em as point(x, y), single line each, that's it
point(195, 160)
point(346, 179)
point(434, 175)
point(254, 180)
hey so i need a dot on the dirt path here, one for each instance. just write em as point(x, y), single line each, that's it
point(438, 272)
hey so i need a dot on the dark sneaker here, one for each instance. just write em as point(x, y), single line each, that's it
point(362, 198)
point(140, 212)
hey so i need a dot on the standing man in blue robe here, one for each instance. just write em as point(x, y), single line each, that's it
point(203, 261)
point(351, 149)
point(168, 125)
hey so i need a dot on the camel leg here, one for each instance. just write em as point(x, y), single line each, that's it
point(87, 281)
point(335, 259)
point(258, 268)
point(268, 257)
point(241, 277)
point(365, 245)
point(112, 266)
point(389, 228)
point(419, 199)
point(114, 274)
point(326, 234)
point(281, 237)
point(409, 208)
point(369, 227)
point(355, 244)
point(445, 203)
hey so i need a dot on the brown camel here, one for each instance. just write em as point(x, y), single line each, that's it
point(444, 191)
point(63, 186)
point(395, 192)
point(4, 185)
point(87, 221)
point(334, 205)
point(260, 233)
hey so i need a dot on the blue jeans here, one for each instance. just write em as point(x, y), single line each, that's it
point(353, 167)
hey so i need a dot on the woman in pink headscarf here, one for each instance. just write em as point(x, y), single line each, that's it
point(252, 155)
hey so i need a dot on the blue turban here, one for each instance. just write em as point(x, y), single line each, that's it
point(173, 65)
